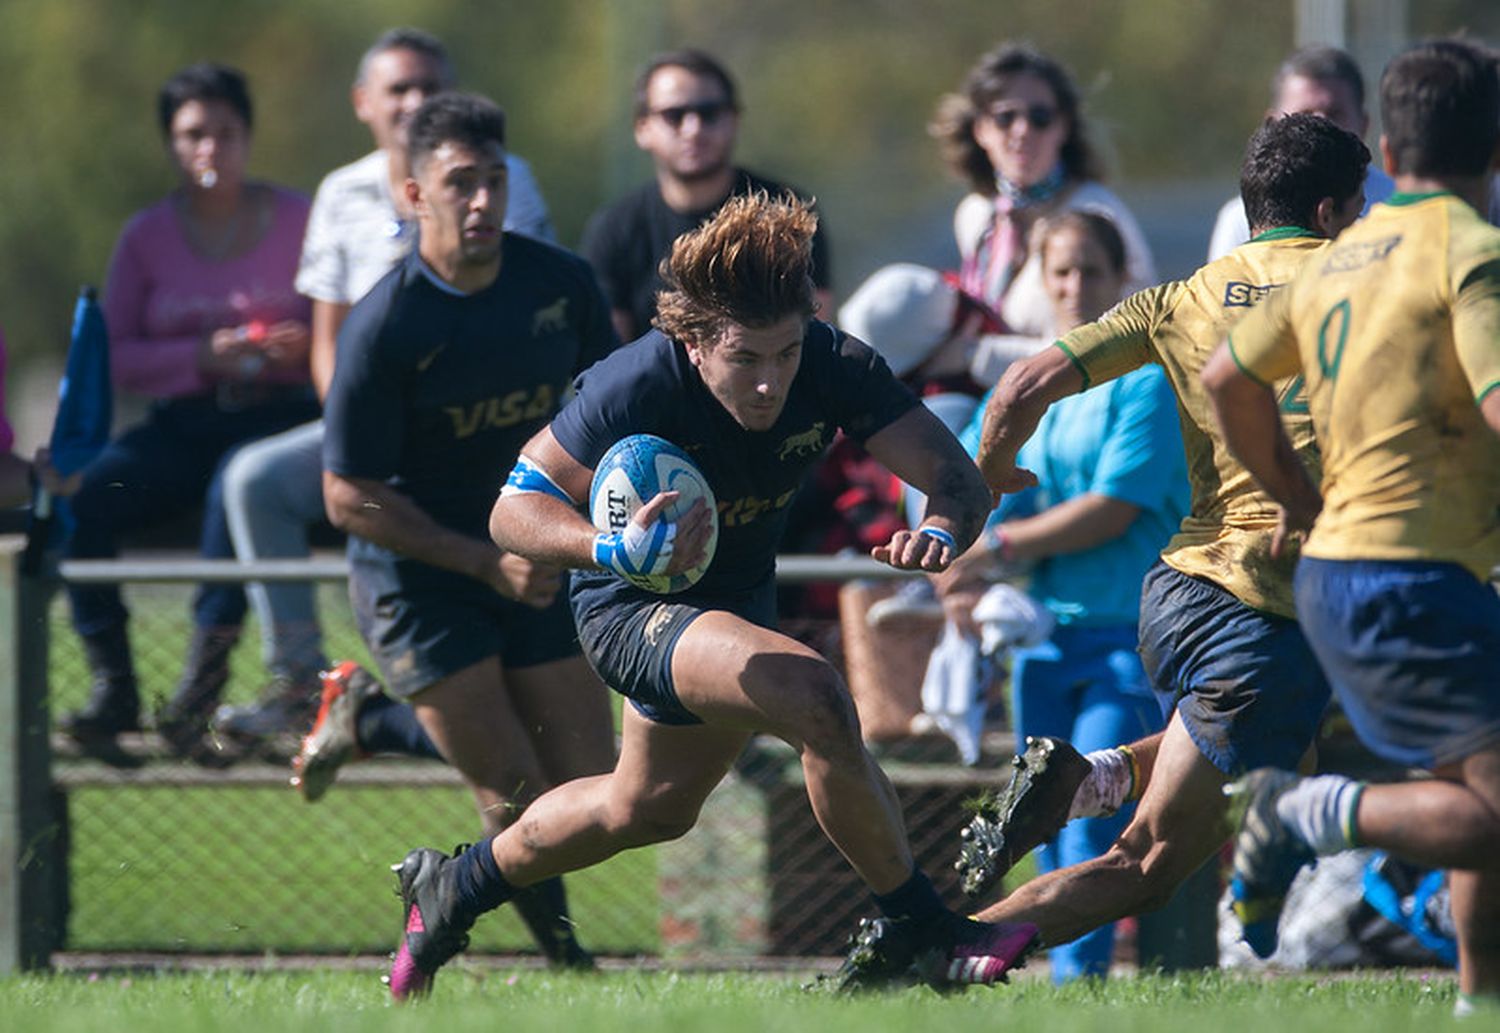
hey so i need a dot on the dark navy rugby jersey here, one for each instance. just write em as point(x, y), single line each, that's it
point(652, 388)
point(435, 392)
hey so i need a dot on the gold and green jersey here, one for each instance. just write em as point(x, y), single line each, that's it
point(1397, 330)
point(1226, 536)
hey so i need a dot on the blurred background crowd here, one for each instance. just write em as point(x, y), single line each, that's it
point(836, 100)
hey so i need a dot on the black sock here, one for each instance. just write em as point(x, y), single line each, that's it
point(544, 909)
point(915, 899)
point(477, 880)
point(385, 725)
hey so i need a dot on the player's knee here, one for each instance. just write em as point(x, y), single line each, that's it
point(643, 820)
point(828, 720)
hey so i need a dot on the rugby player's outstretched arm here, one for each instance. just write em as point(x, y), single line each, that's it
point(1250, 423)
point(1016, 406)
point(925, 454)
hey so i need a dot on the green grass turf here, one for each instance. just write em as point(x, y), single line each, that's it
point(521, 1000)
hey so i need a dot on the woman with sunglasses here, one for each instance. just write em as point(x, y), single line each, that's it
point(1016, 136)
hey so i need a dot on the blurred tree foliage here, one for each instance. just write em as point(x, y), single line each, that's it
point(837, 95)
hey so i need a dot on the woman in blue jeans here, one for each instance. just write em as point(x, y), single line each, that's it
point(1112, 488)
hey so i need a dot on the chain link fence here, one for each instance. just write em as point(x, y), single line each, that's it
point(168, 856)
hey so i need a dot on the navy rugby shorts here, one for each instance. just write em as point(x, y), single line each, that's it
point(422, 632)
point(1413, 650)
point(629, 636)
point(1245, 683)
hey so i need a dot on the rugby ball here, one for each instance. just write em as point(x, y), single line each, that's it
point(632, 473)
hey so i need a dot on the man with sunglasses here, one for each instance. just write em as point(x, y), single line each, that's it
point(687, 117)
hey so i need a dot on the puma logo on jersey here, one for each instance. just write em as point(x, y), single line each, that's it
point(1354, 256)
point(505, 411)
point(550, 320)
point(428, 359)
point(805, 443)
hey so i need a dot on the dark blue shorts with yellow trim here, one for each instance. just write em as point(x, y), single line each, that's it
point(1245, 683)
point(629, 636)
point(423, 628)
point(1413, 650)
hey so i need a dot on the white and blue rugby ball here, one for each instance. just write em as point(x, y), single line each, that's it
point(632, 473)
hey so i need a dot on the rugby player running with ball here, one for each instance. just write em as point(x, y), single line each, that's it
point(742, 378)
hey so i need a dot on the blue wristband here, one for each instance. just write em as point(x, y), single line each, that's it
point(941, 535)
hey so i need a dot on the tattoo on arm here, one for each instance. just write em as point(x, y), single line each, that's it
point(969, 501)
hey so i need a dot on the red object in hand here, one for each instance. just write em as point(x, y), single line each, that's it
point(255, 330)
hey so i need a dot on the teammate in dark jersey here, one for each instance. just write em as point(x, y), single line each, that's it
point(753, 390)
point(687, 116)
point(450, 363)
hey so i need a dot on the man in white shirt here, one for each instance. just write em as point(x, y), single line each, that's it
point(1319, 81)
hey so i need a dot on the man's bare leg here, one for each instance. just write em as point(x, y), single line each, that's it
point(1178, 824)
point(565, 710)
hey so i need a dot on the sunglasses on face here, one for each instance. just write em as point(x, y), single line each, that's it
point(1038, 116)
point(709, 112)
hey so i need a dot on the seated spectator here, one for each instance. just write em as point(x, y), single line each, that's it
point(204, 322)
point(1112, 488)
point(1017, 136)
point(1318, 81)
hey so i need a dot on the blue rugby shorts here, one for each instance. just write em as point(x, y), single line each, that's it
point(1245, 683)
point(422, 632)
point(629, 636)
point(1413, 650)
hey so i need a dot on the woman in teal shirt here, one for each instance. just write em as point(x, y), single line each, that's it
point(1112, 489)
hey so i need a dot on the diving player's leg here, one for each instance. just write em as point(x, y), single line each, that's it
point(1178, 824)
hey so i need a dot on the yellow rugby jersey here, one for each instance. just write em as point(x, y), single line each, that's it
point(1398, 330)
point(1226, 536)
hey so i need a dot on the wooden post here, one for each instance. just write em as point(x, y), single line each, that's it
point(32, 868)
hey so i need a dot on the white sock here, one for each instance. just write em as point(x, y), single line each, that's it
point(1469, 1006)
point(1105, 789)
point(1320, 811)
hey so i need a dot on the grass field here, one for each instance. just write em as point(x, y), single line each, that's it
point(519, 1000)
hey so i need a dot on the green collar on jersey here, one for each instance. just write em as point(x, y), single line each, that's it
point(1282, 233)
point(1400, 199)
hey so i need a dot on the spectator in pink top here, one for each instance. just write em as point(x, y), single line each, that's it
point(204, 321)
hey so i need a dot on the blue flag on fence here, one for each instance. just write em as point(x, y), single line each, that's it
point(85, 409)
